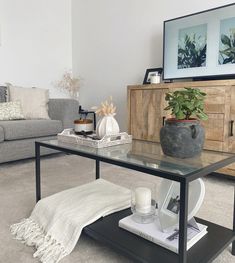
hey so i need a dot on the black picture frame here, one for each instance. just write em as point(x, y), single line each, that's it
point(151, 71)
point(195, 74)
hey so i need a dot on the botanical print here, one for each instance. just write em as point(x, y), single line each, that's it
point(227, 41)
point(192, 45)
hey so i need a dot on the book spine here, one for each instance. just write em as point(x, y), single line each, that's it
point(148, 237)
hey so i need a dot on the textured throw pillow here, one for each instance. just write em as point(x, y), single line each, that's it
point(3, 94)
point(11, 111)
point(34, 101)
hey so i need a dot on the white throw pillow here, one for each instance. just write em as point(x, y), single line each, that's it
point(34, 101)
point(11, 111)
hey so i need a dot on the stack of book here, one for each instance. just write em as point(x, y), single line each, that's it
point(169, 239)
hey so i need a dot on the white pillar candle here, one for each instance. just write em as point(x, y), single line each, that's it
point(143, 200)
point(155, 79)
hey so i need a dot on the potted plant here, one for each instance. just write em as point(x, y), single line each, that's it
point(183, 136)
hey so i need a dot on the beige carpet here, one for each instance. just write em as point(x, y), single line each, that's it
point(17, 199)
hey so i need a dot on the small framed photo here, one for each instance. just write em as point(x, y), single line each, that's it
point(171, 205)
point(149, 72)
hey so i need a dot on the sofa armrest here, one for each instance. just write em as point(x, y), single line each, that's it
point(65, 110)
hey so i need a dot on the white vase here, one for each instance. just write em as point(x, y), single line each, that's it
point(107, 126)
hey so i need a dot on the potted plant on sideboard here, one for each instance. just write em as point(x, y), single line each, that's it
point(183, 136)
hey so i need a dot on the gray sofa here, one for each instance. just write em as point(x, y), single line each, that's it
point(17, 137)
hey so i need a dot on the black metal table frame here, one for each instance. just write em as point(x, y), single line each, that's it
point(183, 180)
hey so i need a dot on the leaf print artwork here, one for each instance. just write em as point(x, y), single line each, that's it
point(227, 41)
point(192, 47)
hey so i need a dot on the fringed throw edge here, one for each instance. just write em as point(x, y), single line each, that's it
point(30, 233)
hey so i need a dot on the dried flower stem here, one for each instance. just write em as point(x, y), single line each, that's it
point(107, 108)
point(69, 84)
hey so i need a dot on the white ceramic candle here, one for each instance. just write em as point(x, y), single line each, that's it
point(155, 79)
point(143, 200)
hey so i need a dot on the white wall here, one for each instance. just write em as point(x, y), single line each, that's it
point(114, 41)
point(36, 42)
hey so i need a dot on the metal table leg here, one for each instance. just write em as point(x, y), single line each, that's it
point(233, 244)
point(183, 221)
point(97, 169)
point(38, 172)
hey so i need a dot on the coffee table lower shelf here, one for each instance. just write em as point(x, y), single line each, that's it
point(207, 249)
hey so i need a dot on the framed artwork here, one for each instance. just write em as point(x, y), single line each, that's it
point(200, 45)
point(149, 72)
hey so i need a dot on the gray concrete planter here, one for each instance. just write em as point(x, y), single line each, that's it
point(182, 138)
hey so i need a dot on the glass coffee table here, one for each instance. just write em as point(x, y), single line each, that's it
point(147, 157)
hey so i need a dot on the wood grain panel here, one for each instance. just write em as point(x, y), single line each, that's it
point(146, 114)
point(213, 145)
point(214, 127)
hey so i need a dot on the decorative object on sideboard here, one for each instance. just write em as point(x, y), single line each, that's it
point(107, 125)
point(183, 136)
point(152, 76)
point(155, 78)
point(143, 202)
point(169, 201)
point(69, 84)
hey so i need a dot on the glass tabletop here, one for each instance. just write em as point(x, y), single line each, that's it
point(149, 155)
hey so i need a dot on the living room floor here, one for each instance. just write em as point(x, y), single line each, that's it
point(59, 172)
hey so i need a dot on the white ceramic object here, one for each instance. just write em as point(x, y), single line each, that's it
point(155, 78)
point(107, 126)
point(85, 127)
point(169, 217)
point(143, 203)
point(143, 200)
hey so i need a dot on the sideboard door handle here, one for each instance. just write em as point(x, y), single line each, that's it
point(231, 127)
point(163, 120)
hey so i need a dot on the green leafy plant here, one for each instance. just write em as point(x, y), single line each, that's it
point(228, 53)
point(186, 103)
point(192, 52)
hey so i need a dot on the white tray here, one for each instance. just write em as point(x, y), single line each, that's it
point(68, 136)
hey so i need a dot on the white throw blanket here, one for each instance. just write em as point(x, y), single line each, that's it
point(56, 222)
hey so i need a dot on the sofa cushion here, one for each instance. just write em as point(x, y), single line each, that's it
point(11, 111)
point(3, 94)
point(34, 101)
point(1, 134)
point(22, 129)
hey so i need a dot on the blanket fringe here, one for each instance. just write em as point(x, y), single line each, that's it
point(31, 234)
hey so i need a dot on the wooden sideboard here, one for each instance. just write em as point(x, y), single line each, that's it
point(146, 113)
